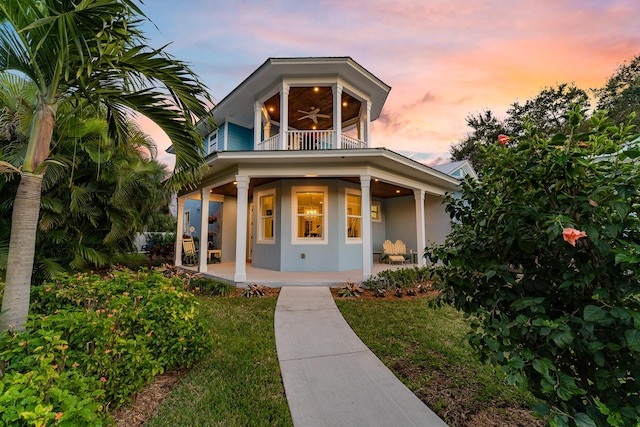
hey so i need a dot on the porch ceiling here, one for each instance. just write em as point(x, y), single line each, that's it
point(379, 188)
point(306, 98)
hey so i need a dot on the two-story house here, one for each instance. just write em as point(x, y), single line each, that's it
point(293, 183)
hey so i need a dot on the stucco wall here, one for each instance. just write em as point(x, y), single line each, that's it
point(378, 229)
point(267, 255)
point(437, 220)
point(229, 221)
point(400, 220)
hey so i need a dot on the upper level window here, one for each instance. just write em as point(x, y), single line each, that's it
point(310, 219)
point(354, 215)
point(213, 141)
point(266, 231)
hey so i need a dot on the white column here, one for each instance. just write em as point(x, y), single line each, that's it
point(367, 126)
point(241, 228)
point(257, 124)
point(204, 229)
point(337, 114)
point(179, 232)
point(420, 226)
point(367, 249)
point(284, 115)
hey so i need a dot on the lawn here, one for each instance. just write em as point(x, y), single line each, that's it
point(426, 349)
point(239, 384)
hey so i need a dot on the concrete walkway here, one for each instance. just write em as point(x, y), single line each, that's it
point(330, 377)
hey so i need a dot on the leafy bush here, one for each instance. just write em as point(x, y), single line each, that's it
point(90, 342)
point(401, 278)
point(544, 257)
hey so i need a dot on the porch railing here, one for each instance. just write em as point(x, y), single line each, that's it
point(311, 140)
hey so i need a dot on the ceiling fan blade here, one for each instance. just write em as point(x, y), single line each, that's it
point(304, 117)
point(324, 116)
point(314, 110)
point(315, 120)
point(303, 112)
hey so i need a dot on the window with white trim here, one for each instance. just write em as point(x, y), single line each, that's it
point(213, 141)
point(309, 222)
point(266, 217)
point(354, 215)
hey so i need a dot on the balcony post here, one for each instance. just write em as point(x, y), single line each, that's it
point(205, 194)
point(337, 114)
point(367, 125)
point(284, 115)
point(257, 124)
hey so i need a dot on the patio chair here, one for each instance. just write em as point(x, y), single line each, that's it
point(189, 252)
point(391, 253)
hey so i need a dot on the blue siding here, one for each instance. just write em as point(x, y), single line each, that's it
point(240, 138)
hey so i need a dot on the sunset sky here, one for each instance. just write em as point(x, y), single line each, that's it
point(444, 59)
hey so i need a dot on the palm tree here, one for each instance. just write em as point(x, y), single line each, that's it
point(87, 54)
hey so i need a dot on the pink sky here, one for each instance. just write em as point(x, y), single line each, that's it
point(444, 59)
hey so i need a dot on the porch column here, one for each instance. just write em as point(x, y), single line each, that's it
point(367, 254)
point(337, 113)
point(284, 115)
point(204, 228)
point(367, 125)
point(420, 227)
point(257, 124)
point(242, 182)
point(179, 232)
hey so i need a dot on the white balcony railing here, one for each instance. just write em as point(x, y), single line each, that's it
point(311, 140)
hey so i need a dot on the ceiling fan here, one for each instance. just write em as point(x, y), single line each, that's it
point(313, 115)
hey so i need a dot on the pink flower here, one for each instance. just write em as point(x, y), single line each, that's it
point(571, 235)
point(503, 139)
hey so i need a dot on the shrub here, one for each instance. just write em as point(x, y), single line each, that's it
point(350, 289)
point(95, 341)
point(544, 257)
point(254, 290)
point(401, 278)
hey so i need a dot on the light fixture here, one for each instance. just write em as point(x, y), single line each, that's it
point(397, 191)
point(344, 103)
point(316, 89)
point(313, 127)
point(311, 175)
point(235, 183)
point(272, 109)
point(376, 179)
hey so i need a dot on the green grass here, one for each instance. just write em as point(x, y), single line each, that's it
point(427, 350)
point(240, 383)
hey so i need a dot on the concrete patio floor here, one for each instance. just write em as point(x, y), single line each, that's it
point(275, 279)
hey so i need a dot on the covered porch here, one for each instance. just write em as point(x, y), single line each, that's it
point(225, 271)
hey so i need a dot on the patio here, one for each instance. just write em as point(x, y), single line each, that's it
point(276, 279)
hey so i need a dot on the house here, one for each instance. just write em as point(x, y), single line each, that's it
point(294, 183)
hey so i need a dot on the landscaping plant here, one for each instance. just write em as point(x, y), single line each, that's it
point(544, 257)
point(91, 342)
point(350, 289)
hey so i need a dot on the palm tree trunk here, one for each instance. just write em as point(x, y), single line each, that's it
point(24, 224)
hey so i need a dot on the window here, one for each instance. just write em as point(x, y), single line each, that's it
point(376, 211)
point(213, 142)
point(266, 216)
point(354, 215)
point(310, 219)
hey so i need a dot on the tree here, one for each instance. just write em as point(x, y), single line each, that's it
point(87, 54)
point(544, 258)
point(547, 112)
point(621, 94)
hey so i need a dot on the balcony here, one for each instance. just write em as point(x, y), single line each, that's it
point(311, 140)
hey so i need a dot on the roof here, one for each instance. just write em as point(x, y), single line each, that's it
point(450, 168)
point(237, 106)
